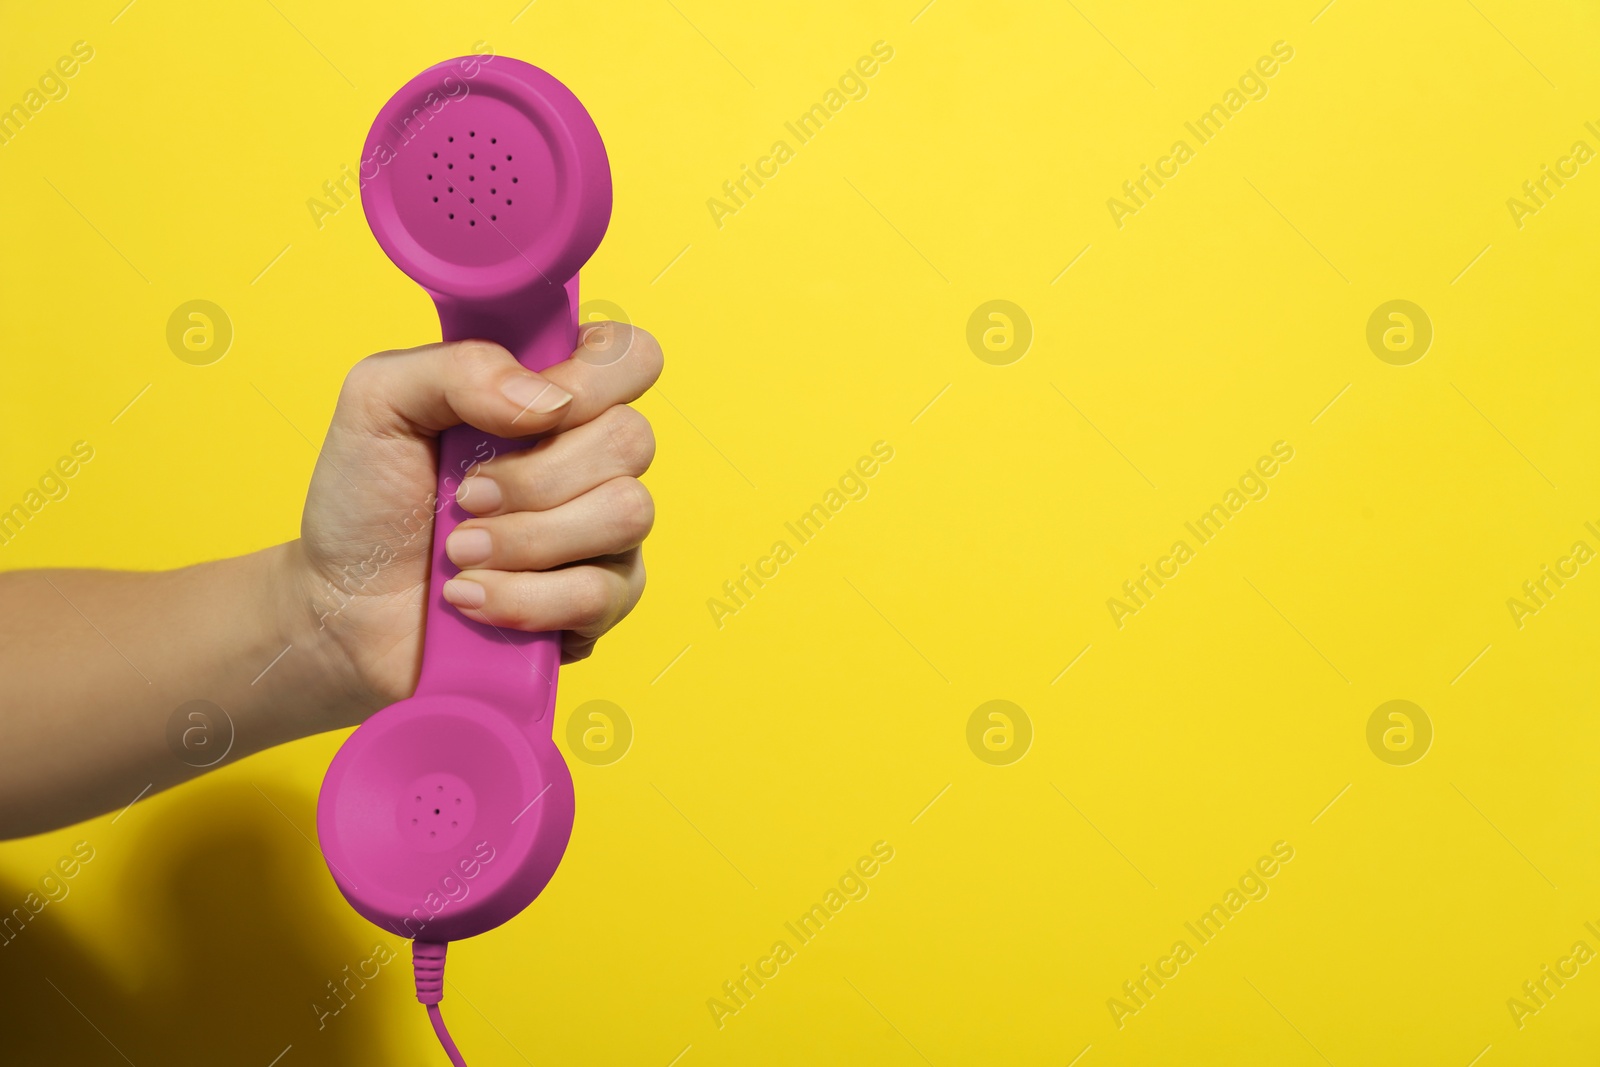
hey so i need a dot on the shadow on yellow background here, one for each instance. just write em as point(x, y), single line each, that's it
point(220, 951)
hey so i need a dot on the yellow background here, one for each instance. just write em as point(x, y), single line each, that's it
point(827, 714)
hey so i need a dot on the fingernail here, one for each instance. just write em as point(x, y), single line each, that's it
point(479, 494)
point(468, 548)
point(534, 394)
point(464, 593)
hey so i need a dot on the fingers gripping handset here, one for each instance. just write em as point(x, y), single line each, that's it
point(444, 815)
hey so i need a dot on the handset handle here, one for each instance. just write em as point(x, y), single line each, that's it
point(509, 669)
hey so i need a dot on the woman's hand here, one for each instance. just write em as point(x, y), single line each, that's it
point(104, 669)
point(554, 541)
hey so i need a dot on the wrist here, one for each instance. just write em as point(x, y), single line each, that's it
point(328, 685)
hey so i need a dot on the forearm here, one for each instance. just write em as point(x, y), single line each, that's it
point(97, 665)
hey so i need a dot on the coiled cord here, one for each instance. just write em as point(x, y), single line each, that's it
point(427, 964)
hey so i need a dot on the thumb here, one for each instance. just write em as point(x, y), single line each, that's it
point(438, 386)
